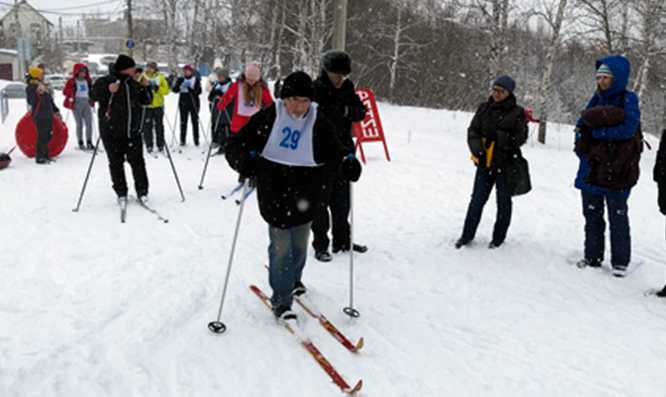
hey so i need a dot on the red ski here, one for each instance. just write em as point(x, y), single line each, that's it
point(312, 310)
point(312, 349)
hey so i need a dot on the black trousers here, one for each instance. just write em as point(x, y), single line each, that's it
point(119, 149)
point(153, 118)
point(44, 133)
point(334, 195)
point(189, 109)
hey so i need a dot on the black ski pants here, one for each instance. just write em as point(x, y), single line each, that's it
point(121, 148)
point(188, 108)
point(44, 133)
point(334, 195)
point(153, 118)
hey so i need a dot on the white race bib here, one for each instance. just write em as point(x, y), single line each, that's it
point(290, 142)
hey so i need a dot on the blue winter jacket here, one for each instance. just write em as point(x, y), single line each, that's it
point(620, 67)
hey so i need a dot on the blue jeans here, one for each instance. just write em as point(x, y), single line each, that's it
point(595, 227)
point(483, 185)
point(286, 258)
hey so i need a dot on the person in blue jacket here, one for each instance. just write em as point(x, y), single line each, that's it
point(612, 78)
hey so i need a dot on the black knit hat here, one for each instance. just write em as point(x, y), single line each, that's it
point(152, 65)
point(123, 62)
point(297, 84)
point(336, 61)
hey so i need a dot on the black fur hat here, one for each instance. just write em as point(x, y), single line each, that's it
point(336, 61)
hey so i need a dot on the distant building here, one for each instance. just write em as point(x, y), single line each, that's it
point(24, 21)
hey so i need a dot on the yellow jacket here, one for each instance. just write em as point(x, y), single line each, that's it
point(158, 96)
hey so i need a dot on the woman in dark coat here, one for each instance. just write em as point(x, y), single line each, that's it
point(497, 131)
point(659, 176)
point(43, 108)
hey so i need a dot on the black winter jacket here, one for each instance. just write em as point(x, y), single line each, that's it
point(41, 103)
point(659, 173)
point(501, 122)
point(332, 102)
point(214, 98)
point(125, 110)
point(191, 94)
point(287, 195)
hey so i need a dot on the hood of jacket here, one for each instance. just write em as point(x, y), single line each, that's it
point(77, 68)
point(621, 69)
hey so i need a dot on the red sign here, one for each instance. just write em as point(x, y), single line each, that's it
point(370, 129)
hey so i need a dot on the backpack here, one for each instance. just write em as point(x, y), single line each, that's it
point(613, 163)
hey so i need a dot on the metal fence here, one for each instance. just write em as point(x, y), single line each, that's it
point(11, 91)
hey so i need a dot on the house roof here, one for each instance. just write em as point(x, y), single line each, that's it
point(31, 8)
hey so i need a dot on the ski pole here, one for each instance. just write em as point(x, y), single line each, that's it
point(350, 311)
point(203, 130)
point(237, 188)
point(85, 182)
point(217, 326)
point(175, 174)
point(174, 141)
point(210, 148)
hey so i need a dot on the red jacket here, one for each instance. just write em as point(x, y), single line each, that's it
point(70, 87)
point(238, 120)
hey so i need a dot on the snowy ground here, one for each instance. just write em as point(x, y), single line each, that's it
point(93, 307)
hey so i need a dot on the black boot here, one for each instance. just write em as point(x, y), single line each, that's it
point(662, 293)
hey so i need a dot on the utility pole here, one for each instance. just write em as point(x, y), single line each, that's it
point(130, 29)
point(339, 25)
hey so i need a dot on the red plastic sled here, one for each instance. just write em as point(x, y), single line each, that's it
point(26, 136)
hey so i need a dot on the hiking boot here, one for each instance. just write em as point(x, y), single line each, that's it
point(619, 271)
point(90, 146)
point(583, 263)
point(81, 147)
point(323, 256)
point(42, 161)
point(299, 289)
point(284, 313)
point(149, 149)
point(494, 244)
point(344, 248)
point(462, 241)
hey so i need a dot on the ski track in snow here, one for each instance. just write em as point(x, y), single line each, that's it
point(93, 307)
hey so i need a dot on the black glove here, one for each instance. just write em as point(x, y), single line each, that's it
point(481, 156)
point(249, 166)
point(350, 168)
point(584, 131)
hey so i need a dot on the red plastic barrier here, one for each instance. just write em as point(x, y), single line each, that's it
point(26, 136)
point(370, 129)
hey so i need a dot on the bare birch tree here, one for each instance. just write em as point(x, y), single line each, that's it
point(554, 20)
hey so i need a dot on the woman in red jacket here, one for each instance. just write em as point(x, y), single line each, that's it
point(251, 95)
point(77, 100)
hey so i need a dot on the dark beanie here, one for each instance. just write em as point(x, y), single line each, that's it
point(152, 65)
point(336, 61)
point(123, 62)
point(506, 82)
point(297, 84)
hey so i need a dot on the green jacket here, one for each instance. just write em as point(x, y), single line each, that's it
point(163, 88)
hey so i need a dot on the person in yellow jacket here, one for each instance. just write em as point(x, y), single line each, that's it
point(154, 113)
